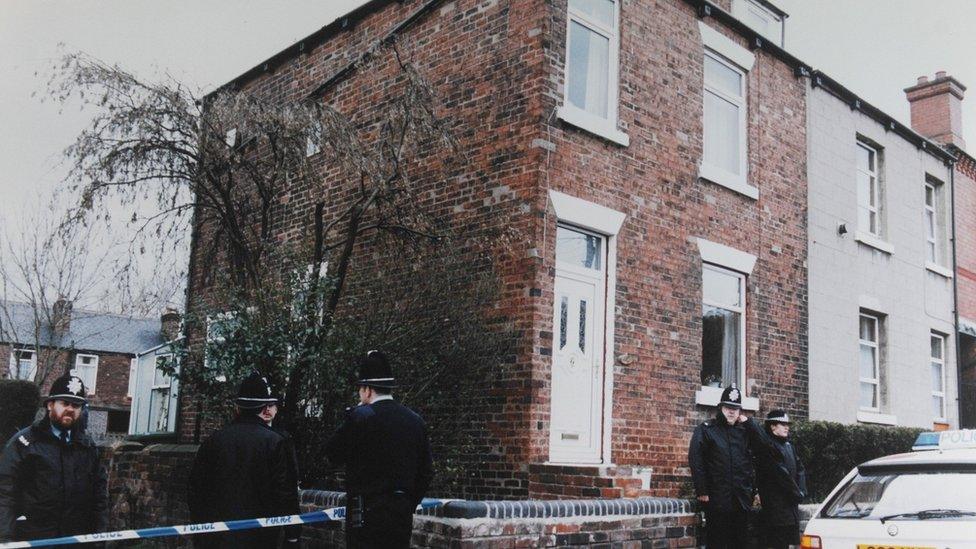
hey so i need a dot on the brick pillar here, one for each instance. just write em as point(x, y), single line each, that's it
point(937, 108)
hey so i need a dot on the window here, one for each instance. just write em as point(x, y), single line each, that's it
point(313, 142)
point(86, 367)
point(723, 327)
point(725, 115)
point(760, 18)
point(159, 395)
point(933, 222)
point(868, 192)
point(937, 368)
point(592, 44)
point(869, 363)
point(132, 377)
point(23, 364)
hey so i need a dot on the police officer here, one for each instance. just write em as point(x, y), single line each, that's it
point(781, 479)
point(723, 473)
point(246, 470)
point(50, 473)
point(385, 449)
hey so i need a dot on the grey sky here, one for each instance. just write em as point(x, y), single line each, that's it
point(875, 47)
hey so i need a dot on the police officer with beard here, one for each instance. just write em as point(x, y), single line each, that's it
point(246, 470)
point(723, 473)
point(50, 473)
point(781, 479)
point(385, 449)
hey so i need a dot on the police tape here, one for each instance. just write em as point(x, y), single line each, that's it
point(322, 515)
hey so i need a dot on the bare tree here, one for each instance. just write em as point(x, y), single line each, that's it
point(229, 159)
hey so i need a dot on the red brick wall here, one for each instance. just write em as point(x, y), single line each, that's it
point(497, 67)
point(965, 180)
point(112, 382)
point(654, 181)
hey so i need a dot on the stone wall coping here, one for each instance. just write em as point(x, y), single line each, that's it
point(464, 509)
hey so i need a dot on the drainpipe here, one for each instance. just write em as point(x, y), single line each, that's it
point(955, 293)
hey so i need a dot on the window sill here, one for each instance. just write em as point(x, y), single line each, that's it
point(869, 239)
point(865, 416)
point(711, 396)
point(728, 180)
point(938, 269)
point(599, 127)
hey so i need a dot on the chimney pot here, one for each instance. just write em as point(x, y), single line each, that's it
point(169, 324)
point(940, 74)
point(923, 79)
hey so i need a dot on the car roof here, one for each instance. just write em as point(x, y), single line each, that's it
point(921, 459)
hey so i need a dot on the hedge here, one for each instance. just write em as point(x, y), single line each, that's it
point(830, 450)
point(18, 406)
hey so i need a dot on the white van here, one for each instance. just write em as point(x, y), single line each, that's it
point(923, 499)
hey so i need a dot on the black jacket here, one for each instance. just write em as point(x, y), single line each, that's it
point(61, 489)
point(385, 448)
point(245, 470)
point(781, 477)
point(721, 465)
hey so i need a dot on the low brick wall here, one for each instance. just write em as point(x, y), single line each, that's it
point(147, 487)
point(623, 523)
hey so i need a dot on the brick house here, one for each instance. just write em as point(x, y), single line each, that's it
point(881, 290)
point(936, 112)
point(98, 347)
point(652, 155)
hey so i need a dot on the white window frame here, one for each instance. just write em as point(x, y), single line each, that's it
point(76, 370)
point(931, 224)
point(603, 127)
point(942, 362)
point(743, 263)
point(312, 146)
point(153, 388)
point(741, 9)
point(741, 309)
point(875, 197)
point(14, 368)
point(133, 364)
point(876, 345)
point(723, 49)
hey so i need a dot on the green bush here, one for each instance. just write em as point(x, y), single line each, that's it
point(18, 405)
point(830, 450)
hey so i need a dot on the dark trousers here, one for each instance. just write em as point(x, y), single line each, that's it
point(780, 536)
point(387, 523)
point(727, 529)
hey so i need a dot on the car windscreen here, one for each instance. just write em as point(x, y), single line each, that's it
point(906, 495)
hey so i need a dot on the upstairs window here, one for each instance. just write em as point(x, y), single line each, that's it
point(86, 367)
point(934, 222)
point(591, 57)
point(868, 189)
point(725, 115)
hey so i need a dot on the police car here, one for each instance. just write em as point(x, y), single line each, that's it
point(925, 499)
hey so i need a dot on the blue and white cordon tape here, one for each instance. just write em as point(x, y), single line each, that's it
point(322, 515)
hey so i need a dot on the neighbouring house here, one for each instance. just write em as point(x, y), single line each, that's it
point(880, 235)
point(98, 347)
point(154, 383)
point(652, 156)
point(936, 112)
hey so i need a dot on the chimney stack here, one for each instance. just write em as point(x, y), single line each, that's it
point(169, 324)
point(61, 315)
point(937, 108)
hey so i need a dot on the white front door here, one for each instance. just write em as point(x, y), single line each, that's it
point(577, 351)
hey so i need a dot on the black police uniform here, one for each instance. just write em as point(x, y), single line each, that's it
point(386, 451)
point(781, 479)
point(58, 485)
point(245, 470)
point(722, 469)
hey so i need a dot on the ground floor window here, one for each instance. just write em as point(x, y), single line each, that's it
point(723, 326)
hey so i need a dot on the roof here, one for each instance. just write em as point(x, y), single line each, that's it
point(927, 458)
point(87, 331)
